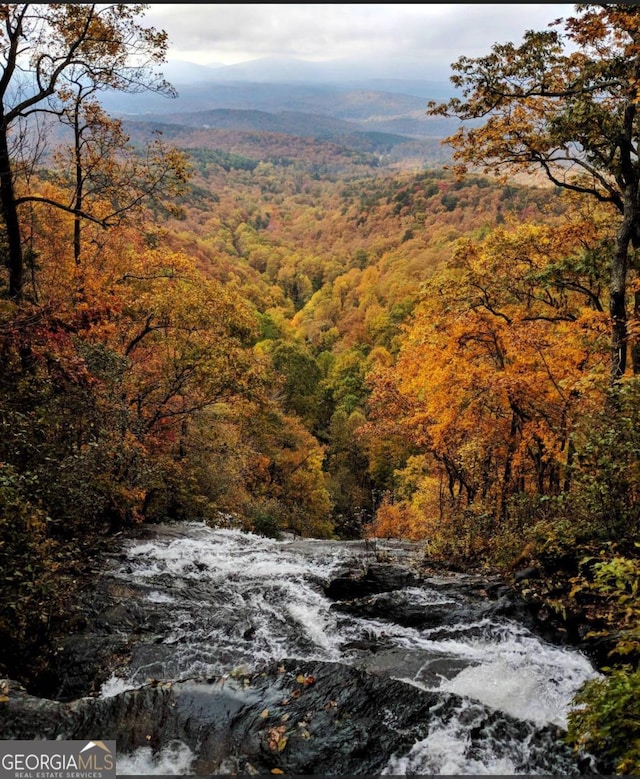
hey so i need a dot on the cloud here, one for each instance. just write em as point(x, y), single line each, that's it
point(394, 36)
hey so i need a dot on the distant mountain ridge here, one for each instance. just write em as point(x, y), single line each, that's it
point(324, 101)
point(292, 85)
point(288, 70)
point(410, 125)
point(288, 122)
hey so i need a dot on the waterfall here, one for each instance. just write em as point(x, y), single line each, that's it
point(225, 601)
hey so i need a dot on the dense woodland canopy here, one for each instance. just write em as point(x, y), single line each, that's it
point(284, 334)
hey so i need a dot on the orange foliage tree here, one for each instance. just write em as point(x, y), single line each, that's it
point(503, 353)
point(52, 48)
point(565, 103)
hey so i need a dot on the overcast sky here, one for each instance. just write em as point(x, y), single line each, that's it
point(399, 39)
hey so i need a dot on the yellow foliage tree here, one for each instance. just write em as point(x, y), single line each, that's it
point(507, 346)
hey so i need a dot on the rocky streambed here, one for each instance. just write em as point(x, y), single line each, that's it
point(204, 652)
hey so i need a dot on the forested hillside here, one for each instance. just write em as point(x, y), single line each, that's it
point(345, 336)
point(334, 259)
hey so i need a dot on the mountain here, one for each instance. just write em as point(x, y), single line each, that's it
point(287, 122)
point(332, 101)
point(373, 113)
point(339, 101)
point(284, 70)
point(289, 70)
point(179, 72)
point(276, 84)
point(335, 151)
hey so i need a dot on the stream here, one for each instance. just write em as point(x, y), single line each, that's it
point(439, 661)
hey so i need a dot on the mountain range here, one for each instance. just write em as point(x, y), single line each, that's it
point(292, 97)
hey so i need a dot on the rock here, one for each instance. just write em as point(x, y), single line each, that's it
point(376, 578)
point(302, 717)
point(395, 607)
point(526, 573)
point(298, 717)
point(398, 607)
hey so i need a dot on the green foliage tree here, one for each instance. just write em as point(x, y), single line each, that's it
point(606, 719)
point(606, 710)
point(302, 377)
point(604, 499)
point(27, 572)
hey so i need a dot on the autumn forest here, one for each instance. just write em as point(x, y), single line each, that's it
point(289, 334)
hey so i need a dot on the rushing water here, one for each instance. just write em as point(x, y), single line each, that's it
point(225, 600)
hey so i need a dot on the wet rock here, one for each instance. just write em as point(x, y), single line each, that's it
point(428, 669)
point(400, 607)
point(305, 717)
point(396, 607)
point(297, 717)
point(375, 578)
point(84, 653)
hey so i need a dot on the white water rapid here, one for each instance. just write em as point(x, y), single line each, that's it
point(225, 600)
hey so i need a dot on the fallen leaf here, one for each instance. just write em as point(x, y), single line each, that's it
point(276, 739)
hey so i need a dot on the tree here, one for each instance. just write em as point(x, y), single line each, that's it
point(186, 339)
point(502, 356)
point(301, 377)
point(106, 178)
point(45, 50)
point(566, 105)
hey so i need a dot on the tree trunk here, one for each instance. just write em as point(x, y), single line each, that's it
point(618, 293)
point(618, 334)
point(14, 259)
point(635, 348)
point(507, 473)
point(77, 134)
